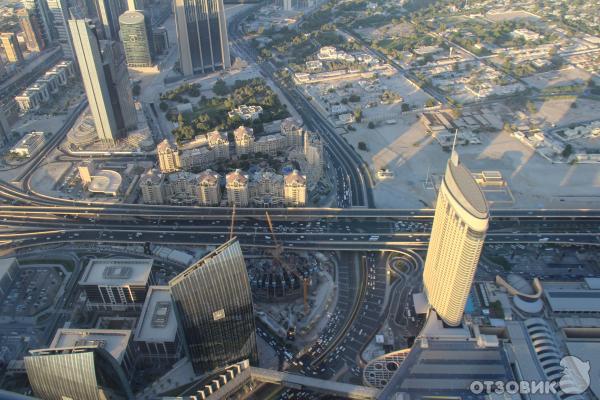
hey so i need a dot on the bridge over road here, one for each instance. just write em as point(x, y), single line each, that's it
point(295, 381)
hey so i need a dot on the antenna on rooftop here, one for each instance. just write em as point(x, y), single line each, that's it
point(454, 141)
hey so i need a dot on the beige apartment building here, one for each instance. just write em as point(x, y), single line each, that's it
point(294, 189)
point(237, 183)
point(459, 227)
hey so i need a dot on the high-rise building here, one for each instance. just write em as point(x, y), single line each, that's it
point(133, 5)
point(136, 35)
point(11, 47)
point(313, 151)
point(105, 80)
point(244, 140)
point(152, 185)
point(266, 189)
point(209, 191)
point(58, 11)
point(168, 157)
point(39, 9)
point(294, 189)
point(236, 183)
point(459, 227)
point(115, 284)
point(156, 337)
point(83, 364)
point(214, 309)
point(108, 12)
point(201, 36)
point(219, 143)
point(32, 30)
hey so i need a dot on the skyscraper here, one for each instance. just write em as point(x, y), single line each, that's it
point(201, 36)
point(213, 302)
point(58, 23)
point(136, 35)
point(32, 30)
point(11, 47)
point(86, 364)
point(108, 13)
point(105, 80)
point(39, 9)
point(459, 227)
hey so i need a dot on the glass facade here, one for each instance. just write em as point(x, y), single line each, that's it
point(136, 38)
point(213, 304)
point(202, 35)
point(82, 373)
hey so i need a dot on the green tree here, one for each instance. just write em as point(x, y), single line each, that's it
point(568, 150)
point(163, 106)
point(358, 114)
point(136, 90)
point(220, 88)
point(371, 125)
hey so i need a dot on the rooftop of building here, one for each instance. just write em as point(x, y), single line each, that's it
point(182, 176)
point(242, 131)
point(105, 181)
point(572, 296)
point(117, 271)
point(131, 17)
point(237, 176)
point(446, 368)
point(216, 136)
point(152, 176)
point(463, 187)
point(209, 177)
point(295, 178)
point(6, 264)
point(200, 263)
point(157, 321)
point(114, 341)
point(165, 145)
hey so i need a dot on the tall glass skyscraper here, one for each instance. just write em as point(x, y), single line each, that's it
point(201, 36)
point(108, 12)
point(213, 304)
point(58, 16)
point(459, 227)
point(136, 35)
point(105, 80)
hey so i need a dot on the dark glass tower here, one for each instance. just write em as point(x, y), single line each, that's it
point(213, 304)
point(201, 36)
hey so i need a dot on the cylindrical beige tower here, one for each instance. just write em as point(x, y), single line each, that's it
point(459, 227)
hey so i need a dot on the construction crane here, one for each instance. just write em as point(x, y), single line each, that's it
point(232, 223)
point(277, 252)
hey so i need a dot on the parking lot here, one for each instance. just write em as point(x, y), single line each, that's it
point(33, 291)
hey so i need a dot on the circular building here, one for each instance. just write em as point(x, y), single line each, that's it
point(136, 37)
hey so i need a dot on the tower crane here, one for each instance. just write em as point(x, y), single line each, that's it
point(278, 250)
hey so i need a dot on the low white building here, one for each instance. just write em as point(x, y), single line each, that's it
point(28, 144)
point(246, 113)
